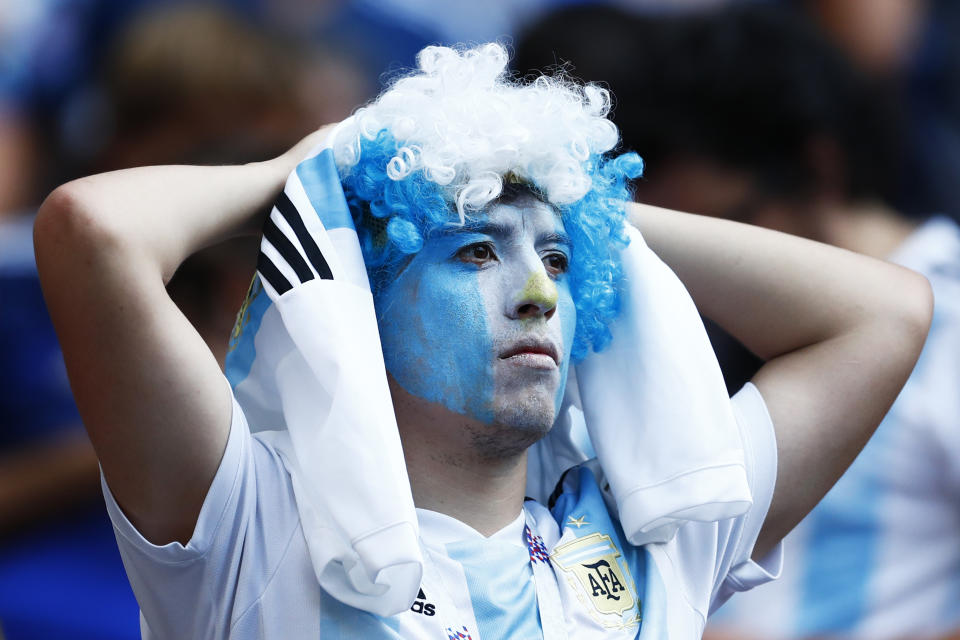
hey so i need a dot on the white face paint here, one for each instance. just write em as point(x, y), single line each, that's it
point(482, 320)
point(530, 313)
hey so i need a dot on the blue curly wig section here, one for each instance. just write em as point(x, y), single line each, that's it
point(393, 217)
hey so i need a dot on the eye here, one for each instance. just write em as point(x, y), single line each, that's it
point(556, 263)
point(478, 253)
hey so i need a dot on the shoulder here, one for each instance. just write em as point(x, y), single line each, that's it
point(242, 540)
point(252, 483)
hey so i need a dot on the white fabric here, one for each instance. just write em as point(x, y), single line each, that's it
point(246, 571)
point(364, 544)
point(325, 377)
point(655, 394)
point(879, 557)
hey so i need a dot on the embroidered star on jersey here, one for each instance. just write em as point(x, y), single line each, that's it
point(577, 522)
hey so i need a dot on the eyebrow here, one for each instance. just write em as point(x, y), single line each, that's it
point(497, 229)
point(558, 237)
point(479, 226)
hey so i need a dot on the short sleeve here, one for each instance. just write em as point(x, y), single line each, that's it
point(735, 570)
point(196, 590)
point(927, 408)
point(929, 404)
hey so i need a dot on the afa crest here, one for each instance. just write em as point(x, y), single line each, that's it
point(243, 315)
point(592, 567)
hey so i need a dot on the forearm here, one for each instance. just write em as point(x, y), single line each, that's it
point(150, 393)
point(840, 332)
point(157, 216)
point(774, 292)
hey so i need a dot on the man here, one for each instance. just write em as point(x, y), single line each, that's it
point(484, 295)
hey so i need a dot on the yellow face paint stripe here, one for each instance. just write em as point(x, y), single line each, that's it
point(540, 290)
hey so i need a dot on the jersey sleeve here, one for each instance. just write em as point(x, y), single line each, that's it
point(197, 590)
point(712, 560)
point(933, 403)
point(735, 570)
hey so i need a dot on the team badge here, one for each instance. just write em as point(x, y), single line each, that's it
point(592, 566)
point(243, 315)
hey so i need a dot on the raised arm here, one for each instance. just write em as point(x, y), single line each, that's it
point(840, 333)
point(149, 391)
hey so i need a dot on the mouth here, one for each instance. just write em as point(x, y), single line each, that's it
point(539, 354)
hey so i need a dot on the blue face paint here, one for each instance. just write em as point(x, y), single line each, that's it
point(482, 320)
point(433, 330)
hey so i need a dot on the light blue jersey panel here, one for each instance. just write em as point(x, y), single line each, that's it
point(241, 351)
point(612, 581)
point(501, 586)
point(585, 513)
point(322, 185)
point(843, 545)
point(342, 622)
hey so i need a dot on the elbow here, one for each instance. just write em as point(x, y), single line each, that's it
point(919, 310)
point(54, 215)
point(910, 313)
point(55, 226)
point(70, 221)
point(68, 211)
point(71, 234)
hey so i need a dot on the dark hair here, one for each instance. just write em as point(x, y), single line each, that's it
point(749, 86)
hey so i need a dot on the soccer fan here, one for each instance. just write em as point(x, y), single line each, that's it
point(501, 256)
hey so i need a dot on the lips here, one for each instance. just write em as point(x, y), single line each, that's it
point(533, 351)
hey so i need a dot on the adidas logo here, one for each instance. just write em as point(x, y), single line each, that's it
point(423, 607)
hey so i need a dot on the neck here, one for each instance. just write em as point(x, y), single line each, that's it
point(487, 495)
point(868, 228)
point(450, 469)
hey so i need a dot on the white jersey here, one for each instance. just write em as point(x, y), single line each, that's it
point(879, 557)
point(559, 570)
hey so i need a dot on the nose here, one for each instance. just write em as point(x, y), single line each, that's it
point(537, 298)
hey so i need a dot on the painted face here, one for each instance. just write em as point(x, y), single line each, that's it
point(482, 321)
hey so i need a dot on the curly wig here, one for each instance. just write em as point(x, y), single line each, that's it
point(437, 146)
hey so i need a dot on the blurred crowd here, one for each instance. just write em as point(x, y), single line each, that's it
point(837, 120)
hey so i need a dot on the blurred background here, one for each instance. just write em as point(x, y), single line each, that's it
point(838, 120)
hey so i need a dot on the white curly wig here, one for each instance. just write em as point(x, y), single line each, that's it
point(465, 123)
